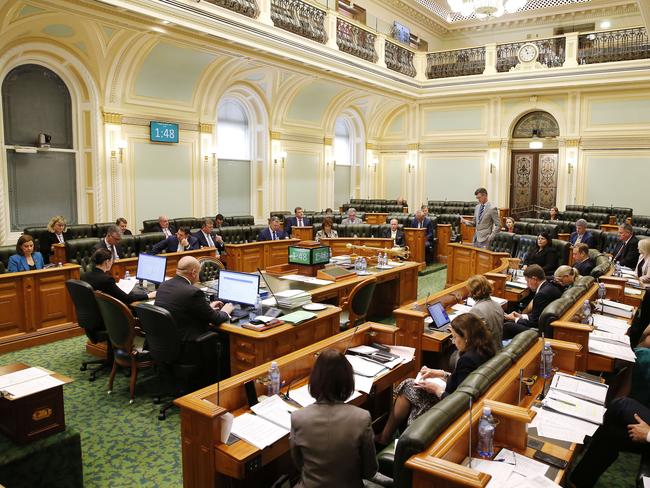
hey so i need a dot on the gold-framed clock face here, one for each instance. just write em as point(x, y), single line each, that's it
point(528, 53)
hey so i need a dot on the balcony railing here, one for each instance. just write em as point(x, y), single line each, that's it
point(249, 8)
point(460, 62)
point(300, 18)
point(551, 53)
point(618, 45)
point(399, 59)
point(354, 40)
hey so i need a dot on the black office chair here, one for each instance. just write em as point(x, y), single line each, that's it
point(356, 305)
point(210, 268)
point(90, 319)
point(120, 325)
point(165, 349)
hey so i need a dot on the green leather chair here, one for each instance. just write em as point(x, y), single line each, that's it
point(524, 228)
point(144, 243)
point(602, 263)
point(5, 253)
point(79, 251)
point(79, 231)
point(551, 229)
point(150, 225)
point(525, 244)
point(99, 230)
point(557, 308)
point(562, 249)
point(608, 241)
point(254, 231)
point(503, 242)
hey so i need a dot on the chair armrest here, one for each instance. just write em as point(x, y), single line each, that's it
point(206, 336)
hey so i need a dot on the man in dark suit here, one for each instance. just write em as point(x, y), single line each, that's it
point(581, 260)
point(581, 235)
point(112, 242)
point(207, 238)
point(193, 315)
point(298, 220)
point(626, 251)
point(395, 234)
point(273, 232)
point(218, 222)
point(545, 293)
point(625, 429)
point(164, 226)
point(122, 223)
point(182, 241)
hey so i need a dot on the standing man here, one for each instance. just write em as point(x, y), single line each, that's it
point(273, 232)
point(111, 242)
point(298, 220)
point(164, 227)
point(486, 220)
point(207, 238)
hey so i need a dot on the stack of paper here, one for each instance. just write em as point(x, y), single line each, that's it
point(294, 277)
point(26, 382)
point(516, 284)
point(364, 367)
point(610, 324)
point(611, 349)
point(510, 470)
point(574, 407)
point(615, 308)
point(292, 298)
point(341, 260)
point(579, 387)
point(127, 285)
point(257, 431)
point(555, 425)
point(275, 410)
point(298, 316)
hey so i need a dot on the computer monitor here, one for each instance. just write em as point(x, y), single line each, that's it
point(151, 268)
point(439, 315)
point(238, 287)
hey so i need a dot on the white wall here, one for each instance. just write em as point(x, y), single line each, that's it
point(451, 177)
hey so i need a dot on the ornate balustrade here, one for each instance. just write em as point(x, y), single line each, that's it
point(618, 45)
point(460, 62)
point(551, 53)
point(354, 40)
point(399, 59)
point(249, 8)
point(300, 18)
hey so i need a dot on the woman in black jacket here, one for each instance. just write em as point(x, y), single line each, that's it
point(544, 254)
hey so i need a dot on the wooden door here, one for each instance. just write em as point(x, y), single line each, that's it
point(533, 180)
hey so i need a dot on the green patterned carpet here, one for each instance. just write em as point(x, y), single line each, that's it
point(126, 445)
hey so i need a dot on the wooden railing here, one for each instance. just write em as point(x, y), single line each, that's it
point(354, 40)
point(300, 18)
point(399, 59)
point(618, 45)
point(460, 62)
point(249, 8)
point(551, 53)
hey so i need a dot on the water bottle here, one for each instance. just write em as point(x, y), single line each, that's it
point(364, 265)
point(257, 310)
point(274, 379)
point(385, 259)
point(60, 265)
point(546, 362)
point(357, 264)
point(617, 269)
point(127, 275)
point(586, 312)
point(486, 427)
point(602, 291)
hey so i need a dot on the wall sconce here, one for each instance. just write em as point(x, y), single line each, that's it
point(283, 156)
point(411, 167)
point(570, 167)
point(492, 168)
point(373, 163)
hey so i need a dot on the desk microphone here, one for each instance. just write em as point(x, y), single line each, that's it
point(350, 339)
point(470, 433)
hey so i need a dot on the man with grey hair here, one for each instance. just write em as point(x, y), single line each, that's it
point(111, 242)
point(352, 217)
point(164, 226)
point(581, 235)
point(273, 232)
point(626, 252)
point(193, 316)
point(486, 220)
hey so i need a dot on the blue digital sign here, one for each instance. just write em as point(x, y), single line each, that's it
point(163, 132)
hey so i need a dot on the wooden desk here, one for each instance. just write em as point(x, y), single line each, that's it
point(261, 254)
point(209, 463)
point(121, 266)
point(376, 218)
point(410, 319)
point(467, 231)
point(35, 307)
point(339, 245)
point(628, 299)
point(249, 348)
point(439, 464)
point(302, 233)
point(609, 227)
point(443, 233)
point(466, 260)
point(415, 240)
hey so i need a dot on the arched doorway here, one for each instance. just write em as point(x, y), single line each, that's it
point(534, 164)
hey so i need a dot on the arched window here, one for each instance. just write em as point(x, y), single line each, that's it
point(37, 117)
point(234, 154)
point(344, 155)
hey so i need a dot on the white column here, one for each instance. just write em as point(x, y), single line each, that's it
point(328, 183)
point(571, 50)
point(330, 29)
point(265, 12)
point(414, 192)
point(380, 49)
point(503, 173)
point(493, 170)
point(490, 59)
point(420, 63)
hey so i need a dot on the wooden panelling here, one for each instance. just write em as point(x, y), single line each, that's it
point(252, 255)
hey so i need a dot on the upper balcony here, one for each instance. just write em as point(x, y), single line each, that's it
point(350, 48)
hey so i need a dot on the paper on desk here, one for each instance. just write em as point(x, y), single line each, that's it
point(580, 387)
point(405, 352)
point(610, 324)
point(302, 396)
point(499, 301)
point(632, 291)
point(363, 349)
point(611, 350)
point(522, 465)
point(646, 482)
point(602, 335)
point(363, 367)
point(516, 284)
point(459, 307)
point(355, 394)
point(318, 281)
point(562, 427)
point(574, 407)
point(363, 383)
point(500, 472)
point(269, 302)
point(126, 285)
point(536, 482)
point(34, 385)
point(275, 410)
point(21, 376)
point(257, 431)
point(294, 277)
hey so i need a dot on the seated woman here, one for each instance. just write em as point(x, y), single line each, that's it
point(475, 346)
point(25, 258)
point(565, 276)
point(510, 225)
point(544, 254)
point(490, 311)
point(326, 230)
point(554, 214)
point(643, 272)
point(57, 235)
point(331, 441)
point(100, 279)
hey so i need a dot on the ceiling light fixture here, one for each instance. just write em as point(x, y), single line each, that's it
point(536, 143)
point(485, 9)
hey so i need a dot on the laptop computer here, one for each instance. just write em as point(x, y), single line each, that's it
point(440, 320)
point(239, 289)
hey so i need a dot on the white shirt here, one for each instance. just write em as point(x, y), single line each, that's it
point(208, 239)
point(525, 315)
point(167, 232)
point(60, 238)
point(112, 248)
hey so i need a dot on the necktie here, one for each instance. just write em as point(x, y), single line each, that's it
point(578, 239)
point(620, 251)
point(480, 213)
point(275, 236)
point(209, 240)
point(299, 222)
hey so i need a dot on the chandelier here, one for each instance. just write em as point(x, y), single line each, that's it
point(484, 9)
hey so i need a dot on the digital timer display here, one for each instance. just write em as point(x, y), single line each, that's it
point(163, 132)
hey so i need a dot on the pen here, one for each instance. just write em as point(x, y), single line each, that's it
point(563, 401)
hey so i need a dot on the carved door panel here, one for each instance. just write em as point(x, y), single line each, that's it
point(533, 180)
